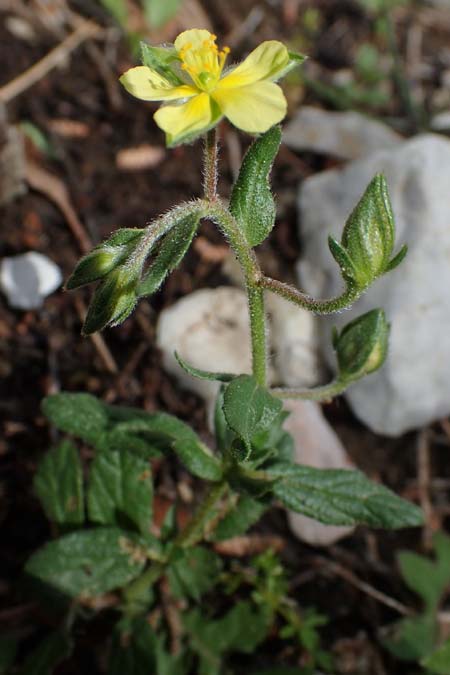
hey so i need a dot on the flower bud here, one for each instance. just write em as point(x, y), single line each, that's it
point(113, 301)
point(368, 238)
point(362, 345)
point(104, 258)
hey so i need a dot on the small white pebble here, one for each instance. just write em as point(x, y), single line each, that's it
point(27, 279)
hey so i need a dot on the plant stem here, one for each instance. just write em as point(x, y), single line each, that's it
point(136, 593)
point(255, 294)
point(324, 393)
point(350, 294)
point(193, 532)
point(210, 156)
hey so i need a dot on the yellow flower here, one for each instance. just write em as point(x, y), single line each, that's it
point(190, 78)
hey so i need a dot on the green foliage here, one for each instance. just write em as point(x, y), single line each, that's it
point(249, 408)
point(368, 238)
point(117, 428)
point(361, 347)
point(59, 485)
point(251, 201)
point(241, 629)
point(162, 60)
point(120, 491)
point(89, 562)
point(236, 522)
point(137, 650)
point(203, 374)
point(194, 572)
point(342, 497)
point(416, 638)
point(52, 651)
point(170, 254)
point(159, 12)
point(439, 661)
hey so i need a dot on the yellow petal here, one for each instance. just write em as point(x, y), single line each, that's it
point(183, 121)
point(254, 108)
point(147, 84)
point(194, 37)
point(263, 63)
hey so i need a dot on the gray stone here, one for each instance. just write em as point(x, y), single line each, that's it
point(348, 135)
point(413, 388)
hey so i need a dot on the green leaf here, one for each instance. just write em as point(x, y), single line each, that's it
point(246, 513)
point(251, 201)
point(90, 562)
point(59, 485)
point(203, 374)
point(120, 491)
point(249, 408)
point(342, 497)
point(171, 252)
point(81, 415)
point(242, 629)
point(159, 12)
point(427, 578)
point(8, 649)
point(194, 572)
point(439, 661)
point(137, 650)
point(51, 652)
point(413, 638)
point(118, 10)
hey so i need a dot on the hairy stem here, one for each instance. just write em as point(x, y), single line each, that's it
point(348, 297)
point(210, 157)
point(324, 393)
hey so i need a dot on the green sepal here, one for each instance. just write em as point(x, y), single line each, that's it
point(163, 60)
point(362, 345)
point(252, 202)
point(113, 301)
point(171, 252)
point(203, 374)
point(397, 259)
point(343, 259)
point(295, 59)
point(104, 258)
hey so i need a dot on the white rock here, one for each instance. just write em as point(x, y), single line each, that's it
point(316, 444)
point(27, 279)
point(413, 388)
point(210, 330)
point(294, 339)
point(441, 122)
point(348, 135)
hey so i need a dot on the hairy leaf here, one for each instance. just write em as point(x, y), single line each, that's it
point(439, 661)
point(342, 497)
point(251, 201)
point(89, 562)
point(246, 513)
point(59, 485)
point(249, 408)
point(203, 374)
point(120, 490)
point(194, 572)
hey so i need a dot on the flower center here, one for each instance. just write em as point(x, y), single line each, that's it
point(204, 64)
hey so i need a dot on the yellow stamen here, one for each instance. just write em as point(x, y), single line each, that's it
point(204, 63)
